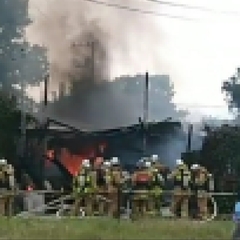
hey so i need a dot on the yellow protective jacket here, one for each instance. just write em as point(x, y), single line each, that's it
point(176, 175)
point(201, 177)
point(83, 182)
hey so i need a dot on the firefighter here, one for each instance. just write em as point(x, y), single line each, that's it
point(156, 188)
point(102, 177)
point(3, 186)
point(201, 181)
point(10, 176)
point(100, 185)
point(154, 159)
point(156, 164)
point(10, 186)
point(115, 187)
point(181, 176)
point(84, 189)
point(107, 187)
point(126, 191)
point(141, 181)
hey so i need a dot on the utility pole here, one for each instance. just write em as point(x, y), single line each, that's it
point(93, 60)
point(44, 129)
point(145, 111)
point(46, 81)
point(23, 119)
point(189, 138)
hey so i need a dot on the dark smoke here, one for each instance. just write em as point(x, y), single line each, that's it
point(123, 41)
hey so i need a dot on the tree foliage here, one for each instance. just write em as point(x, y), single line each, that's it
point(231, 88)
point(18, 60)
point(10, 120)
point(9, 124)
point(220, 149)
point(117, 103)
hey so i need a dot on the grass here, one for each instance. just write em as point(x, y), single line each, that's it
point(103, 229)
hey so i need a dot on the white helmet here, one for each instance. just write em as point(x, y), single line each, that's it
point(3, 161)
point(194, 166)
point(148, 164)
point(114, 161)
point(86, 162)
point(179, 162)
point(154, 157)
point(107, 163)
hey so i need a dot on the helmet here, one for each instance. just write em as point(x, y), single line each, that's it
point(86, 163)
point(154, 157)
point(3, 161)
point(179, 162)
point(114, 161)
point(194, 166)
point(147, 164)
point(107, 163)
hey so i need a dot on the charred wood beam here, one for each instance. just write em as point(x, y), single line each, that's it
point(74, 129)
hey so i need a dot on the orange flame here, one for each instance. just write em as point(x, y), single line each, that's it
point(73, 162)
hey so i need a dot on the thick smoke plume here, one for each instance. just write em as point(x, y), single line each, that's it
point(123, 42)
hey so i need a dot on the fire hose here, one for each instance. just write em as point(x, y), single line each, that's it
point(214, 213)
point(214, 203)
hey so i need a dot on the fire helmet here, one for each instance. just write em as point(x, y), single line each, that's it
point(115, 161)
point(194, 166)
point(154, 157)
point(147, 164)
point(179, 162)
point(3, 161)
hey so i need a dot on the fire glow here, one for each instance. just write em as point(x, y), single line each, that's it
point(73, 162)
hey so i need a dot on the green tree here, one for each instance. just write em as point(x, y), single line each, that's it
point(18, 60)
point(117, 103)
point(231, 87)
point(220, 149)
point(10, 120)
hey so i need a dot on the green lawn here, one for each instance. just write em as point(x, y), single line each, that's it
point(112, 229)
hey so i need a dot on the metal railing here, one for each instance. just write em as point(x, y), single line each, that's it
point(59, 202)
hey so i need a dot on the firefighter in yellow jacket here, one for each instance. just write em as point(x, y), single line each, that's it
point(98, 173)
point(3, 186)
point(181, 176)
point(141, 183)
point(84, 189)
point(115, 187)
point(104, 187)
point(156, 188)
point(201, 179)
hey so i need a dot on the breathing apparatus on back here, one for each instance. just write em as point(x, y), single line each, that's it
point(183, 175)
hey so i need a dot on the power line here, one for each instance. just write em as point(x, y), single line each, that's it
point(124, 7)
point(199, 105)
point(193, 7)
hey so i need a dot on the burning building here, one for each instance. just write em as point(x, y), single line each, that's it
point(57, 151)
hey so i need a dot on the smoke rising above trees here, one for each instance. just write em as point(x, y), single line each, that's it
point(64, 29)
point(117, 103)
